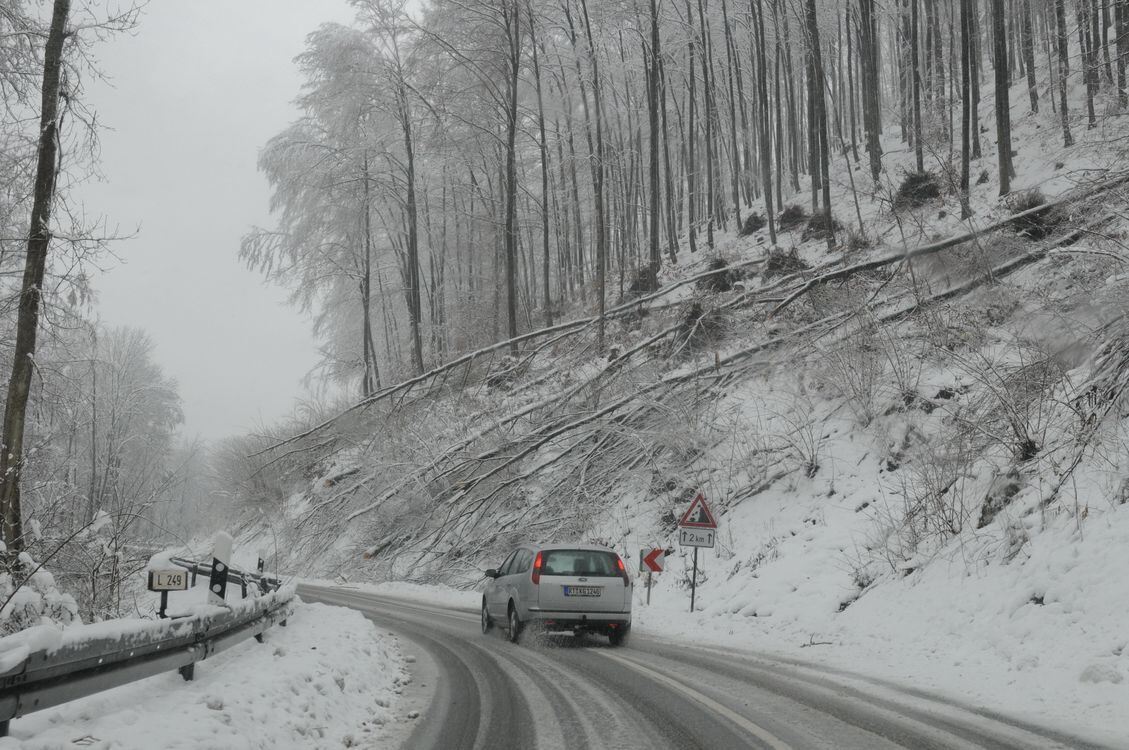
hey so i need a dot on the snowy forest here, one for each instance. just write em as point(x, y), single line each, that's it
point(470, 172)
point(94, 470)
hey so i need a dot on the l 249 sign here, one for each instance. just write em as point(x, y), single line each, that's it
point(690, 537)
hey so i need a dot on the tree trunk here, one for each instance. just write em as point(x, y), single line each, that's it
point(598, 180)
point(1029, 55)
point(966, 104)
point(654, 240)
point(414, 297)
point(512, 20)
point(732, 62)
point(35, 265)
point(975, 60)
point(710, 116)
point(1122, 48)
point(1003, 102)
point(915, 74)
point(546, 301)
point(668, 174)
point(1086, 43)
point(1063, 70)
point(868, 51)
point(757, 9)
point(371, 377)
point(819, 108)
point(691, 166)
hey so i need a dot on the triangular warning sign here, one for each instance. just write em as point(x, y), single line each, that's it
point(698, 515)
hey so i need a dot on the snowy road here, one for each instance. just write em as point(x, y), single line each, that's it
point(476, 691)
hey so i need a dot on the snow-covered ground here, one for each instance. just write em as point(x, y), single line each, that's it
point(974, 638)
point(970, 631)
point(437, 594)
point(327, 680)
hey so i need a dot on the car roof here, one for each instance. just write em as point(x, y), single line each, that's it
point(585, 547)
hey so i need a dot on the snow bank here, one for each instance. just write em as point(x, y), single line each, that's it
point(1041, 636)
point(328, 680)
point(439, 594)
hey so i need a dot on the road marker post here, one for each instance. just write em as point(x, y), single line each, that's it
point(166, 581)
point(221, 561)
point(651, 562)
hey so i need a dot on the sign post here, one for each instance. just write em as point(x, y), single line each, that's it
point(698, 528)
point(694, 580)
point(651, 562)
point(166, 581)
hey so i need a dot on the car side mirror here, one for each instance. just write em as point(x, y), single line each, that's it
point(491, 573)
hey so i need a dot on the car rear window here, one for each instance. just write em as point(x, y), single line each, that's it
point(578, 562)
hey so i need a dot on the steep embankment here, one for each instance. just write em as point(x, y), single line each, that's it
point(919, 459)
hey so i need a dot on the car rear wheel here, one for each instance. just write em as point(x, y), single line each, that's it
point(487, 623)
point(617, 636)
point(515, 624)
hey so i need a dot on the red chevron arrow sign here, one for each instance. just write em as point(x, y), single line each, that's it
point(652, 560)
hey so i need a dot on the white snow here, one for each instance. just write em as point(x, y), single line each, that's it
point(437, 594)
point(327, 680)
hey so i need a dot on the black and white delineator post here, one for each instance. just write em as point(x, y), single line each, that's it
point(221, 561)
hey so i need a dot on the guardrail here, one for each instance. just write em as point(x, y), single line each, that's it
point(50, 676)
point(263, 581)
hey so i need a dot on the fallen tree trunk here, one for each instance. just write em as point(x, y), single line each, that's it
point(569, 328)
point(945, 244)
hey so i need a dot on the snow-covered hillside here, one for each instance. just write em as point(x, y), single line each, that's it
point(920, 466)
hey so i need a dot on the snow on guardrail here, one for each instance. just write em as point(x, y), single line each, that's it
point(44, 666)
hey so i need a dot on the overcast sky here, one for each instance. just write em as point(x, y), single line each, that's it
point(194, 95)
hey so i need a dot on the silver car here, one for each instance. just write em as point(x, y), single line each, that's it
point(582, 588)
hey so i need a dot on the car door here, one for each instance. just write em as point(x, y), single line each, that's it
point(495, 593)
point(518, 578)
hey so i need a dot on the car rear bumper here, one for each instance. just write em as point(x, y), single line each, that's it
point(571, 620)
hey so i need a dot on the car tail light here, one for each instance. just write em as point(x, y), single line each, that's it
point(622, 570)
point(536, 577)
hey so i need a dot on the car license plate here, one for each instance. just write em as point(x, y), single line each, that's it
point(582, 590)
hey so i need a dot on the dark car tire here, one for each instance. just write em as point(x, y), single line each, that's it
point(514, 624)
point(618, 636)
point(487, 622)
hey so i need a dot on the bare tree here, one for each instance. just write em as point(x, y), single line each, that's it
point(27, 325)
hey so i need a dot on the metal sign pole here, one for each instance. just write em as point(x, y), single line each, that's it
point(164, 604)
point(694, 580)
point(648, 588)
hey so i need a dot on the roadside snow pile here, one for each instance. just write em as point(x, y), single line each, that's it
point(439, 594)
point(1021, 611)
point(327, 680)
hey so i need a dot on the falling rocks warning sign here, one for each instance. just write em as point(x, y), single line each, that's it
point(698, 515)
